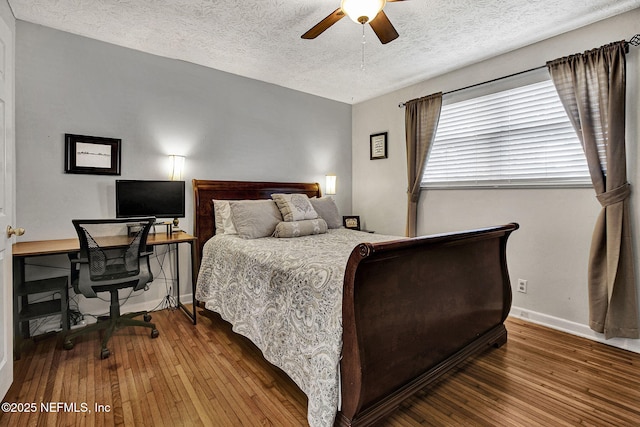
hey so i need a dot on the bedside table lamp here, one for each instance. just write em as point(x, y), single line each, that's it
point(177, 167)
point(330, 185)
point(177, 170)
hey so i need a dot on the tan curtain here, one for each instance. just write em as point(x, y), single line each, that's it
point(592, 89)
point(421, 121)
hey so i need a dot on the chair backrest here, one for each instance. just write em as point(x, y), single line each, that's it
point(111, 251)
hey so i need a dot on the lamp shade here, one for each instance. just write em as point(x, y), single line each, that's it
point(177, 167)
point(362, 11)
point(330, 187)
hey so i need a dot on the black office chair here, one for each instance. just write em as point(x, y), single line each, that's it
point(113, 256)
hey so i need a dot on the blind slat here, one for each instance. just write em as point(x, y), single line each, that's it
point(517, 136)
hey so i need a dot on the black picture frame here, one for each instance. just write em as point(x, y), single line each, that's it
point(91, 155)
point(378, 146)
point(352, 222)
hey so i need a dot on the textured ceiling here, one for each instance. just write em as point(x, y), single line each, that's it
point(260, 39)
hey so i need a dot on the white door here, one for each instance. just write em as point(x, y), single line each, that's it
point(7, 209)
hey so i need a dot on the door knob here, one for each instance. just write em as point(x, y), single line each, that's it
point(17, 231)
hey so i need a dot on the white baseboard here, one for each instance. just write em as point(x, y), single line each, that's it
point(153, 304)
point(52, 324)
point(573, 328)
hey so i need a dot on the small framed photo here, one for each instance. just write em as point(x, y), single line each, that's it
point(351, 222)
point(91, 155)
point(378, 146)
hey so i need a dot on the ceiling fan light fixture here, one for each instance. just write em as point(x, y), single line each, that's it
point(362, 11)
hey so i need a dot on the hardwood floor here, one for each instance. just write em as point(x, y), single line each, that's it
point(207, 375)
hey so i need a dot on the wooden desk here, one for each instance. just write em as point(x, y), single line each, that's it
point(23, 250)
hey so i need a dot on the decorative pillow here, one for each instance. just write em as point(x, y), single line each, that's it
point(294, 207)
point(300, 228)
point(327, 210)
point(222, 215)
point(255, 218)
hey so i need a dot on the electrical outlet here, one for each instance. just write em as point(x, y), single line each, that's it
point(522, 286)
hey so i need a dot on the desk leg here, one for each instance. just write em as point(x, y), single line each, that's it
point(192, 314)
point(194, 279)
point(18, 280)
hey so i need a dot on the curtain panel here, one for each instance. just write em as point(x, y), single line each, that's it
point(592, 88)
point(421, 121)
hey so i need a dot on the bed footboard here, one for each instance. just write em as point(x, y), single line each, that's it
point(415, 308)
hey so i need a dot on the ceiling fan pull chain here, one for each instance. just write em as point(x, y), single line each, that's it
point(364, 41)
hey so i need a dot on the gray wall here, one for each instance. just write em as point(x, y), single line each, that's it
point(551, 248)
point(227, 126)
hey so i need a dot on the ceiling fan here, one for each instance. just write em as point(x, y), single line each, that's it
point(362, 12)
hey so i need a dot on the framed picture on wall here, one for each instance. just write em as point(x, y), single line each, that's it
point(378, 146)
point(91, 155)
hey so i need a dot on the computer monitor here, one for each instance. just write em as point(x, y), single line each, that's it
point(162, 199)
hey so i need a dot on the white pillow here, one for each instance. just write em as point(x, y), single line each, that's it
point(294, 207)
point(222, 215)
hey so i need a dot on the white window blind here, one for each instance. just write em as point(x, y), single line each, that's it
point(517, 137)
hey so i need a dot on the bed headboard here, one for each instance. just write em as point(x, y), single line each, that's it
point(205, 191)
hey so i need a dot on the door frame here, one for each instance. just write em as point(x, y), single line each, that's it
point(7, 205)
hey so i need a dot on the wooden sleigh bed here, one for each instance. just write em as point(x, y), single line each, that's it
point(412, 309)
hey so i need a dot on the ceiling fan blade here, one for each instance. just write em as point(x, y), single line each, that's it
point(383, 28)
point(319, 28)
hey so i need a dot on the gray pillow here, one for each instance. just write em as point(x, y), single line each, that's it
point(294, 207)
point(306, 227)
point(255, 218)
point(327, 210)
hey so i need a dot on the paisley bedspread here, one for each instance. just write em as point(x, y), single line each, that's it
point(285, 295)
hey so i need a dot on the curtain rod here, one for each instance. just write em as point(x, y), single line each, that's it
point(635, 41)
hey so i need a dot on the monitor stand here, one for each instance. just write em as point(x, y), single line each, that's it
point(168, 226)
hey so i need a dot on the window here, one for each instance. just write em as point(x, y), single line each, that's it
point(519, 137)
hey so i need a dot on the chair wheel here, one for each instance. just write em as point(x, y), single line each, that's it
point(67, 345)
point(154, 333)
point(147, 318)
point(105, 353)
